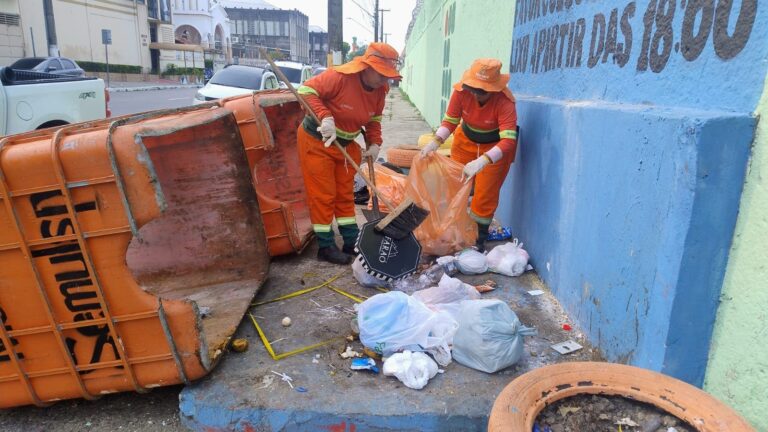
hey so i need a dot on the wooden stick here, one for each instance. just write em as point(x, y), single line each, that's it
point(308, 109)
point(374, 198)
point(394, 213)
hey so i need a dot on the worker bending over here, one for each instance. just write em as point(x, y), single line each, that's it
point(346, 99)
point(487, 139)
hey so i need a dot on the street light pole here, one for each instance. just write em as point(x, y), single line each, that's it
point(381, 12)
point(376, 21)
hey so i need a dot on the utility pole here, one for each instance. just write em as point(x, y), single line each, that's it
point(381, 27)
point(376, 21)
point(335, 31)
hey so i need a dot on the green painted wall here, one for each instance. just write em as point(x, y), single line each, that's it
point(447, 35)
point(737, 372)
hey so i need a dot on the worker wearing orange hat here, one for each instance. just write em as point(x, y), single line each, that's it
point(348, 100)
point(487, 139)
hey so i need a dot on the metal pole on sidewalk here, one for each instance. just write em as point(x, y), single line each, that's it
point(106, 53)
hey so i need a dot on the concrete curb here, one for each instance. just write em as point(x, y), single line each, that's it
point(155, 87)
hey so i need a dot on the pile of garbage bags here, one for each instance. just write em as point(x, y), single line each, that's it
point(429, 320)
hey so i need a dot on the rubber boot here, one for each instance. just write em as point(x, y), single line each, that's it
point(333, 255)
point(349, 233)
point(482, 236)
point(328, 251)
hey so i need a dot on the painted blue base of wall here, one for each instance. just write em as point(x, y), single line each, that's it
point(628, 213)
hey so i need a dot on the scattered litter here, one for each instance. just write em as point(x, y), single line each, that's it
point(414, 369)
point(535, 292)
point(471, 262)
point(284, 377)
point(566, 347)
point(240, 345)
point(567, 327)
point(315, 361)
point(671, 429)
point(565, 410)
point(301, 389)
point(204, 311)
point(349, 353)
point(448, 263)
point(371, 353)
point(267, 381)
point(286, 321)
point(626, 421)
point(499, 233)
point(364, 363)
point(489, 285)
point(351, 338)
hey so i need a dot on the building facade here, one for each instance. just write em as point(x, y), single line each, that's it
point(11, 37)
point(284, 31)
point(203, 23)
point(318, 46)
point(74, 30)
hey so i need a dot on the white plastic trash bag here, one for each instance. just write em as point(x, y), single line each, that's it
point(364, 278)
point(395, 321)
point(471, 262)
point(448, 290)
point(509, 259)
point(414, 369)
point(490, 336)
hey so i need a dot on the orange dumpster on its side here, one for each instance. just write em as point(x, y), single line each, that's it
point(130, 248)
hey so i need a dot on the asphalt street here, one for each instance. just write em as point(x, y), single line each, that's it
point(133, 102)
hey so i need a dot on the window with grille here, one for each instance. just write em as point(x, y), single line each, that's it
point(9, 19)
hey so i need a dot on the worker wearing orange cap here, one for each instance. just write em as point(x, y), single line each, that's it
point(487, 139)
point(346, 99)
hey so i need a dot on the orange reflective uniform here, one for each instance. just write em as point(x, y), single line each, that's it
point(328, 179)
point(492, 124)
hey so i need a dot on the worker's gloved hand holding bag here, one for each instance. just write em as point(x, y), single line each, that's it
point(328, 130)
point(372, 151)
point(434, 183)
point(474, 167)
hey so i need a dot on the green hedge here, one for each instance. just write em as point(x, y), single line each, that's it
point(172, 70)
point(102, 67)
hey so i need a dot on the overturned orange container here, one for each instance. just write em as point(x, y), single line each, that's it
point(268, 122)
point(130, 249)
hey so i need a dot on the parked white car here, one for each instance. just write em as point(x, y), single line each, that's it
point(235, 80)
point(296, 72)
point(35, 100)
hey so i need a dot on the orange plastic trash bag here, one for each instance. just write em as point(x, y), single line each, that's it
point(434, 183)
point(390, 183)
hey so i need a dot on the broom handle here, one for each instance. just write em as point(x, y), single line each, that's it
point(374, 198)
point(308, 109)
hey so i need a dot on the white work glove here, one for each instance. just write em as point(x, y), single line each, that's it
point(430, 148)
point(475, 167)
point(328, 130)
point(372, 151)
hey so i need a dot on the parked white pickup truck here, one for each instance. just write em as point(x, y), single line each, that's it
point(34, 100)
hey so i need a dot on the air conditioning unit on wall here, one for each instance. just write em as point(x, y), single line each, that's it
point(235, 39)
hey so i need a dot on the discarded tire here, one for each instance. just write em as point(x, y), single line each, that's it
point(401, 157)
point(521, 401)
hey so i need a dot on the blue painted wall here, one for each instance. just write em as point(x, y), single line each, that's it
point(630, 168)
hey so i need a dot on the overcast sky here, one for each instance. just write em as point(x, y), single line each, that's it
point(356, 22)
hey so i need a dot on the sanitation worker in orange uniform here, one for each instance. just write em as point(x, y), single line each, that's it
point(347, 99)
point(486, 141)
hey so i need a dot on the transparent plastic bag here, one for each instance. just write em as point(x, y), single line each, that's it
point(395, 321)
point(434, 183)
point(414, 369)
point(364, 279)
point(490, 336)
point(471, 262)
point(389, 183)
point(509, 259)
point(449, 290)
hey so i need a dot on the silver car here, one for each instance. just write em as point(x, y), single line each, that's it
point(235, 80)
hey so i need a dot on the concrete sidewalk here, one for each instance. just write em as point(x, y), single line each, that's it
point(161, 84)
point(243, 393)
